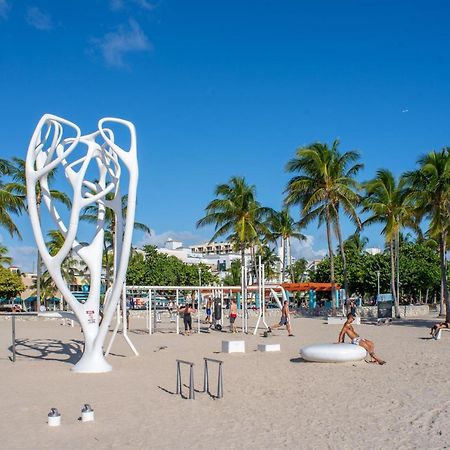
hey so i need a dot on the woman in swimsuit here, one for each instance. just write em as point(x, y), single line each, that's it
point(187, 318)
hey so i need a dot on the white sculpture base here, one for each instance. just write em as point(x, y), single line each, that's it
point(92, 362)
point(269, 347)
point(233, 346)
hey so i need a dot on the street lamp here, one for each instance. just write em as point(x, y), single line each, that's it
point(378, 282)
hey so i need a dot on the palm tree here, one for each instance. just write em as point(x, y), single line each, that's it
point(283, 226)
point(4, 258)
point(235, 213)
point(356, 243)
point(390, 203)
point(324, 185)
point(270, 261)
point(10, 204)
point(18, 187)
point(90, 214)
point(431, 190)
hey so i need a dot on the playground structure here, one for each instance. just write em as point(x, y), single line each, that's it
point(52, 143)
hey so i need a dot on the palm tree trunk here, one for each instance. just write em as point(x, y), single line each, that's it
point(331, 256)
point(344, 259)
point(283, 256)
point(290, 260)
point(444, 276)
point(393, 289)
point(397, 256)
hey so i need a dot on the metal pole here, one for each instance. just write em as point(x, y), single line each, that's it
point(178, 314)
point(220, 383)
point(191, 383)
point(154, 314)
point(13, 331)
point(38, 281)
point(149, 312)
point(178, 390)
point(205, 377)
point(378, 282)
point(199, 305)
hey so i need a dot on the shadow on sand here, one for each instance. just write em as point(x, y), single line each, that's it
point(50, 350)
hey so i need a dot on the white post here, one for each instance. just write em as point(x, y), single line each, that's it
point(259, 295)
point(178, 314)
point(125, 322)
point(149, 311)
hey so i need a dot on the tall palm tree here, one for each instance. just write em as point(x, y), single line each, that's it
point(10, 204)
point(282, 226)
point(4, 258)
point(324, 186)
point(237, 214)
point(18, 187)
point(270, 261)
point(90, 215)
point(431, 190)
point(390, 203)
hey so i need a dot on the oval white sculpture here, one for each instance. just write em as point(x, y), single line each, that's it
point(333, 353)
point(49, 148)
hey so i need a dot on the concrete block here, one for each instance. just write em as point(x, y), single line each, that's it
point(269, 347)
point(233, 346)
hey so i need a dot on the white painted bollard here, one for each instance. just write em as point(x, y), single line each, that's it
point(269, 347)
point(54, 418)
point(87, 413)
point(233, 346)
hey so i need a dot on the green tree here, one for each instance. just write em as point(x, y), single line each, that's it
point(431, 190)
point(159, 269)
point(233, 277)
point(283, 227)
point(90, 215)
point(237, 214)
point(10, 204)
point(17, 186)
point(390, 203)
point(298, 270)
point(4, 258)
point(270, 261)
point(325, 184)
point(10, 284)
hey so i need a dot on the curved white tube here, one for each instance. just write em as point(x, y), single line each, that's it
point(333, 353)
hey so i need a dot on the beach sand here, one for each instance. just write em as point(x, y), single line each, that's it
point(271, 400)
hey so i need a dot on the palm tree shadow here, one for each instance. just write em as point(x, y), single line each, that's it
point(50, 350)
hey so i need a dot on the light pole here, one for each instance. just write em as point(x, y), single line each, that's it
point(378, 283)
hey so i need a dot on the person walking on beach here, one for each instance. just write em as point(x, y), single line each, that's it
point(348, 330)
point(187, 318)
point(285, 319)
point(233, 315)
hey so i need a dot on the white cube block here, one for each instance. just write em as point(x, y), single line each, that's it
point(269, 347)
point(233, 346)
point(342, 320)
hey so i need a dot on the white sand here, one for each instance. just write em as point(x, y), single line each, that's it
point(271, 400)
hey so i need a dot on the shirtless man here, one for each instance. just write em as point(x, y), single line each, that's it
point(438, 327)
point(285, 319)
point(348, 330)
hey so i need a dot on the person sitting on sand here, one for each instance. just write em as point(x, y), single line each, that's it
point(438, 327)
point(285, 319)
point(348, 330)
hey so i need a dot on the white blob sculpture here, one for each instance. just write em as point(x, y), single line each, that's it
point(48, 149)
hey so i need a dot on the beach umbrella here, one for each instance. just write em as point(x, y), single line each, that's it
point(53, 300)
point(30, 299)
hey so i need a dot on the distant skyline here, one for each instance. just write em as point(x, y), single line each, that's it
point(227, 88)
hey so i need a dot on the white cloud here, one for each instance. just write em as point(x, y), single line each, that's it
point(39, 19)
point(117, 5)
point(305, 249)
point(186, 237)
point(116, 45)
point(24, 257)
point(4, 8)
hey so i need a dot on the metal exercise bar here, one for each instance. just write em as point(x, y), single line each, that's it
point(219, 378)
point(13, 328)
point(179, 389)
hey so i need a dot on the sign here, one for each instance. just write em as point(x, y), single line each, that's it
point(91, 316)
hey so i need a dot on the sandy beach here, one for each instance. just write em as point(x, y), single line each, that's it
point(271, 400)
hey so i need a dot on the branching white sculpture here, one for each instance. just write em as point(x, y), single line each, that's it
point(48, 149)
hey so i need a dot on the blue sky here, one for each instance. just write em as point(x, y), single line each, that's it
point(222, 88)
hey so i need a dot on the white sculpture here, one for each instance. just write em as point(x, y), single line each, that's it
point(47, 150)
